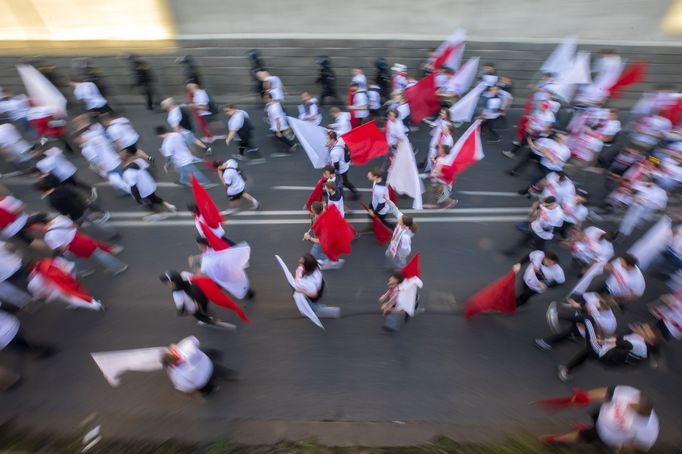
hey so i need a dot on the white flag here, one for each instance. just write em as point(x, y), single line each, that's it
point(227, 267)
point(458, 38)
point(577, 73)
point(313, 139)
point(465, 76)
point(593, 271)
point(562, 56)
point(649, 246)
point(114, 364)
point(300, 299)
point(463, 110)
point(403, 175)
point(41, 90)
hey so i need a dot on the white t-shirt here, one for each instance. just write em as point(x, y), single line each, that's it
point(56, 164)
point(90, 95)
point(9, 262)
point(200, 97)
point(194, 369)
point(557, 150)
point(337, 154)
point(652, 196)
point(13, 142)
point(234, 181)
point(374, 99)
point(311, 283)
point(622, 282)
point(60, 232)
point(13, 205)
point(174, 117)
point(360, 99)
point(605, 320)
point(610, 128)
point(619, 426)
point(184, 303)
point(337, 201)
point(379, 196)
point(541, 120)
point(277, 89)
point(591, 248)
point(140, 178)
point(18, 107)
point(175, 147)
point(552, 274)
point(121, 131)
point(563, 191)
point(236, 121)
point(547, 220)
point(492, 108)
point(275, 112)
point(573, 212)
point(98, 152)
point(361, 80)
point(395, 132)
point(342, 123)
point(9, 327)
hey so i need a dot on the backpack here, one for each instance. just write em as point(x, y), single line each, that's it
point(346, 154)
point(186, 119)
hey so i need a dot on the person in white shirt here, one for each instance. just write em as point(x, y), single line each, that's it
point(648, 198)
point(574, 214)
point(341, 123)
point(592, 245)
point(539, 124)
point(558, 185)
point(175, 150)
point(334, 196)
point(51, 161)
point(201, 103)
point(381, 203)
point(337, 159)
point(143, 189)
point(189, 369)
point(441, 134)
point(598, 307)
point(395, 129)
point(399, 80)
point(625, 421)
point(310, 109)
point(360, 106)
point(447, 90)
point(234, 184)
point(90, 96)
point(180, 121)
point(239, 126)
point(374, 97)
point(610, 128)
point(13, 278)
point(122, 134)
point(359, 78)
point(272, 85)
point(493, 109)
point(310, 283)
point(400, 246)
point(279, 124)
point(316, 209)
point(543, 220)
point(669, 315)
point(18, 108)
point(626, 281)
point(101, 154)
point(14, 147)
point(15, 223)
point(543, 272)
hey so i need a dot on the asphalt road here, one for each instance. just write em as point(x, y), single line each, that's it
point(351, 383)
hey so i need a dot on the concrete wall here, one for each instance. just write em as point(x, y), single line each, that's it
point(226, 69)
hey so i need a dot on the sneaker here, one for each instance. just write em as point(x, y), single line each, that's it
point(210, 185)
point(229, 211)
point(103, 218)
point(513, 173)
point(93, 194)
point(280, 155)
point(563, 374)
point(509, 154)
point(257, 206)
point(542, 345)
point(238, 157)
point(208, 151)
point(172, 208)
point(294, 147)
point(116, 249)
point(120, 270)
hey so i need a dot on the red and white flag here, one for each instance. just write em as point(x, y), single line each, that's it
point(465, 76)
point(450, 51)
point(313, 139)
point(41, 91)
point(365, 143)
point(577, 72)
point(227, 268)
point(463, 110)
point(207, 208)
point(466, 152)
point(403, 175)
point(560, 59)
point(633, 74)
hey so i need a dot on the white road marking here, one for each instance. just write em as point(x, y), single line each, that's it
point(482, 193)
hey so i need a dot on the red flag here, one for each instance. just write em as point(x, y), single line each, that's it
point(365, 143)
point(334, 233)
point(521, 129)
point(673, 112)
point(392, 195)
point(61, 279)
point(633, 74)
point(217, 244)
point(445, 56)
point(500, 296)
point(349, 102)
point(205, 205)
point(382, 233)
point(422, 99)
point(413, 268)
point(316, 195)
point(467, 151)
point(215, 295)
point(577, 398)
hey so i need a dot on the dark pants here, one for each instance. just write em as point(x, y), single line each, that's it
point(148, 91)
point(525, 159)
point(244, 141)
point(153, 203)
point(489, 124)
point(525, 295)
point(76, 183)
point(346, 183)
point(382, 218)
point(20, 345)
point(531, 240)
point(575, 318)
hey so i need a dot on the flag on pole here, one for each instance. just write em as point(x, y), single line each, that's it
point(633, 74)
point(422, 99)
point(316, 195)
point(652, 243)
point(116, 363)
point(313, 139)
point(382, 233)
point(41, 90)
point(449, 52)
point(413, 267)
point(334, 232)
point(403, 175)
point(207, 208)
point(300, 299)
point(578, 72)
point(466, 152)
point(463, 110)
point(227, 268)
point(365, 143)
point(466, 75)
point(500, 296)
point(561, 57)
point(216, 296)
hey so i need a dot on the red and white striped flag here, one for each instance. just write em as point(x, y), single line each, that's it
point(466, 152)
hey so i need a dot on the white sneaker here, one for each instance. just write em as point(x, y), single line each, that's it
point(93, 194)
point(329, 265)
point(170, 207)
point(564, 376)
point(116, 249)
point(542, 345)
point(120, 270)
point(509, 154)
point(257, 206)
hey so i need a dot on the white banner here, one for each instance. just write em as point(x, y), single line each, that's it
point(313, 139)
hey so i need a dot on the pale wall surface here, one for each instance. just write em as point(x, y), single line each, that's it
point(516, 20)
